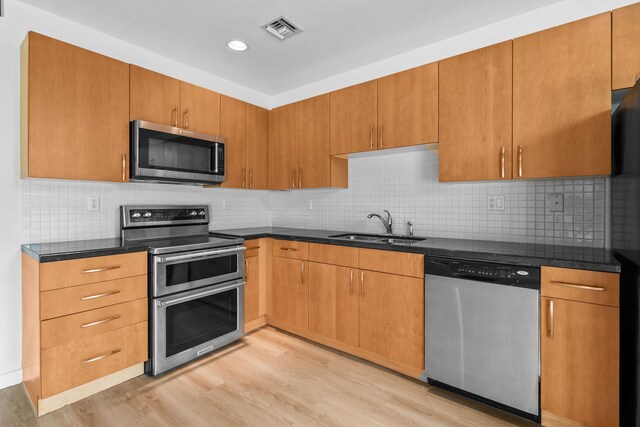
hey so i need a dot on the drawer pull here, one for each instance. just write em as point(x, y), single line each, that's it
point(99, 270)
point(577, 286)
point(252, 247)
point(289, 249)
point(99, 322)
point(551, 319)
point(106, 294)
point(95, 359)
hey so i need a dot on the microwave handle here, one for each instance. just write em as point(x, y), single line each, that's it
point(216, 158)
point(162, 259)
point(164, 303)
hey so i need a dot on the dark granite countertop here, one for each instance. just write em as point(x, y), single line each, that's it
point(60, 251)
point(523, 254)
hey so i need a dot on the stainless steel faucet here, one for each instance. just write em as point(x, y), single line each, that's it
point(388, 223)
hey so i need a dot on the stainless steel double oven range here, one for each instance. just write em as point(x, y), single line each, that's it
point(196, 282)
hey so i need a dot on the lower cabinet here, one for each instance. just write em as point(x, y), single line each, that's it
point(289, 299)
point(251, 289)
point(255, 288)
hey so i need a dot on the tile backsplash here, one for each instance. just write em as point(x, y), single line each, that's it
point(405, 183)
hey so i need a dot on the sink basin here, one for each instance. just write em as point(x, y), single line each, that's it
point(377, 238)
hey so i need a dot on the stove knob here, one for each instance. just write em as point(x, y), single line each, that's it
point(202, 213)
point(193, 213)
point(135, 215)
point(147, 214)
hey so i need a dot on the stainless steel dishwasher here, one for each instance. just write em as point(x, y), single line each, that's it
point(482, 332)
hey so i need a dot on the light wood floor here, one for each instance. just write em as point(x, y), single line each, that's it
point(269, 379)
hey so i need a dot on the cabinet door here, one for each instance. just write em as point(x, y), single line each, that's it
point(354, 118)
point(283, 147)
point(290, 294)
point(391, 317)
point(233, 118)
point(257, 147)
point(200, 109)
point(625, 55)
point(75, 123)
point(251, 289)
point(562, 100)
point(408, 107)
point(333, 302)
point(475, 115)
point(579, 362)
point(154, 97)
point(314, 169)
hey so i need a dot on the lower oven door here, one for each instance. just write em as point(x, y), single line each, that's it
point(190, 324)
point(185, 271)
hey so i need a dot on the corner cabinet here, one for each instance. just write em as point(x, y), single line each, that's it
point(74, 112)
point(580, 348)
point(257, 156)
point(562, 100)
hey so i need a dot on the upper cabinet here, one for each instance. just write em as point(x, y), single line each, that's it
point(562, 100)
point(233, 120)
point(625, 55)
point(475, 115)
point(74, 112)
point(164, 100)
point(283, 147)
point(257, 155)
point(354, 118)
point(155, 97)
point(408, 107)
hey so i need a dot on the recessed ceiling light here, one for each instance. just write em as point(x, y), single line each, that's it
point(238, 45)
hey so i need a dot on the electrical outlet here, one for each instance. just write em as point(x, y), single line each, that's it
point(309, 205)
point(93, 203)
point(225, 205)
point(495, 203)
point(556, 202)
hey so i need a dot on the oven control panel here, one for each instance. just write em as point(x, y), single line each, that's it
point(141, 215)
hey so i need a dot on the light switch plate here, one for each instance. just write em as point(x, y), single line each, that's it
point(495, 203)
point(309, 205)
point(225, 205)
point(93, 203)
point(556, 202)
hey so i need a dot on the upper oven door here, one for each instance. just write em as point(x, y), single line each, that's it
point(165, 153)
point(180, 272)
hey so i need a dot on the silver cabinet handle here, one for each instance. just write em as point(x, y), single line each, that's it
point(351, 283)
point(300, 178)
point(244, 174)
point(502, 154)
point(289, 249)
point(185, 119)
point(175, 115)
point(293, 178)
point(95, 359)
point(99, 270)
point(551, 319)
point(578, 286)
point(520, 152)
point(124, 167)
point(371, 137)
point(381, 129)
point(106, 294)
point(302, 274)
point(100, 322)
point(362, 283)
point(250, 178)
point(246, 270)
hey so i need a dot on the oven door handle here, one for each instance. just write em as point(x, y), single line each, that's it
point(163, 303)
point(162, 259)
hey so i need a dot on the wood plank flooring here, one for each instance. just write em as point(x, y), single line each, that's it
point(268, 379)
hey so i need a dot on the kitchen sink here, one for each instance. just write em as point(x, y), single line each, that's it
point(380, 238)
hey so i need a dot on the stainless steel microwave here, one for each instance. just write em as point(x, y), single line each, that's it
point(161, 153)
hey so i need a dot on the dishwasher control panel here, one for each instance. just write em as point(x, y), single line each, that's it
point(505, 274)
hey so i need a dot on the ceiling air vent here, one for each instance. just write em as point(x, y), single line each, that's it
point(282, 28)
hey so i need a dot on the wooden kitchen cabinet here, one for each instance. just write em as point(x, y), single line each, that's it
point(625, 57)
point(289, 298)
point(251, 289)
point(74, 112)
point(255, 289)
point(408, 107)
point(354, 118)
point(283, 147)
point(233, 122)
point(314, 161)
point(333, 302)
point(391, 317)
point(257, 152)
point(475, 115)
point(562, 100)
point(199, 109)
point(154, 98)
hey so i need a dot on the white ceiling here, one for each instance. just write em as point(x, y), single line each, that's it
point(339, 35)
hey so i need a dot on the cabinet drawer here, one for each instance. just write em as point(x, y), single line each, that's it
point(334, 255)
point(70, 365)
point(63, 274)
point(402, 263)
point(579, 285)
point(290, 249)
point(78, 326)
point(252, 248)
point(62, 302)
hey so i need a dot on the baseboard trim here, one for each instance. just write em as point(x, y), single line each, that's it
point(255, 324)
point(85, 390)
point(10, 378)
